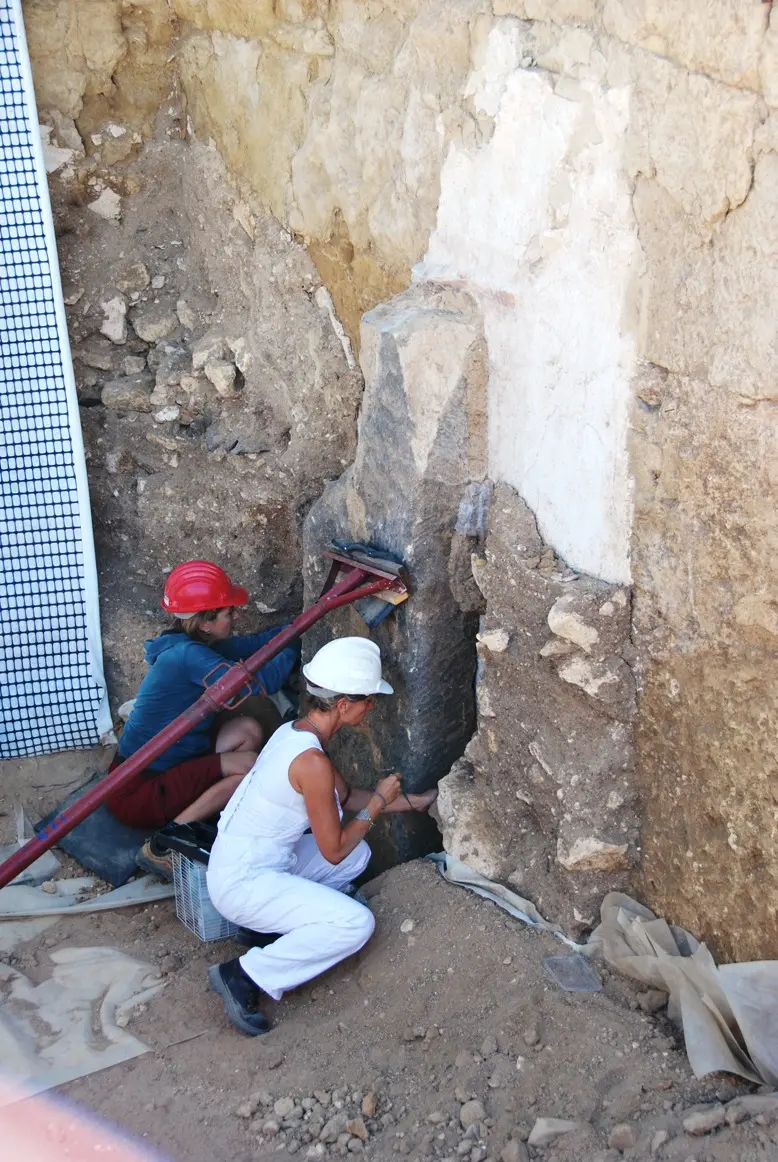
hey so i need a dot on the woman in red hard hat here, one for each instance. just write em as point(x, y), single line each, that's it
point(196, 776)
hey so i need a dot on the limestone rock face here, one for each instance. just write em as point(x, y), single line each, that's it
point(420, 445)
point(543, 796)
point(706, 634)
point(103, 60)
point(338, 120)
point(177, 467)
point(601, 178)
point(703, 456)
point(722, 38)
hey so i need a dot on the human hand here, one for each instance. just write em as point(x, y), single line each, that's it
point(389, 788)
point(424, 800)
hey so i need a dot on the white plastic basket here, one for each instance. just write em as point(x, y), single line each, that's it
point(193, 904)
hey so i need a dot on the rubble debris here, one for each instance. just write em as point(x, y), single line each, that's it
point(130, 393)
point(114, 324)
point(108, 205)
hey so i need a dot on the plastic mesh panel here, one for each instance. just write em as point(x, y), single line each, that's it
point(193, 904)
point(51, 687)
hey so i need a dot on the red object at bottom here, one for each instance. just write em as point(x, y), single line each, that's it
point(153, 798)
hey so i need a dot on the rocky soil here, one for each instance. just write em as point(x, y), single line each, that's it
point(445, 1039)
point(218, 394)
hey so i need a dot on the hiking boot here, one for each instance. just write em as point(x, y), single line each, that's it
point(155, 858)
point(240, 995)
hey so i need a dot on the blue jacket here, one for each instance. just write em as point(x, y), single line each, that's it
point(175, 681)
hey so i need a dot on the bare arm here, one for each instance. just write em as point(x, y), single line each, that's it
point(313, 775)
point(357, 798)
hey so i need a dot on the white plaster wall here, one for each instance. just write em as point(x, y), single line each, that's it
point(538, 224)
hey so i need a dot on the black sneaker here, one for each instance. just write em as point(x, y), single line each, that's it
point(240, 995)
point(248, 938)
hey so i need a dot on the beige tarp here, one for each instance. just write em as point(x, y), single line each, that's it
point(728, 1013)
point(70, 1024)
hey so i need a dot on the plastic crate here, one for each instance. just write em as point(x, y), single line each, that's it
point(193, 904)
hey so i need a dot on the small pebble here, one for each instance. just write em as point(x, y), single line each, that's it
point(407, 926)
point(704, 1121)
point(357, 1128)
point(471, 1114)
point(658, 1140)
point(622, 1137)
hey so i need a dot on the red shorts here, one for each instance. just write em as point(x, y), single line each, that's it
point(153, 798)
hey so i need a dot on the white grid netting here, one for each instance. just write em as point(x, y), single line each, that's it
point(52, 692)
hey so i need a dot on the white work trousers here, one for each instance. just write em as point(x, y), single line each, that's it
point(320, 925)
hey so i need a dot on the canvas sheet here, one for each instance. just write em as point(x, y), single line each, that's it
point(728, 1013)
point(71, 1024)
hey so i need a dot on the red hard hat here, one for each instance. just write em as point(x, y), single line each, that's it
point(199, 585)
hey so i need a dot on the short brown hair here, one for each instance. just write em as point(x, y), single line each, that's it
point(192, 626)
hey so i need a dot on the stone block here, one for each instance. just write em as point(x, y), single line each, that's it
point(420, 445)
point(100, 354)
point(546, 1130)
point(114, 324)
point(73, 56)
point(722, 38)
point(471, 824)
point(587, 853)
point(708, 294)
point(155, 321)
point(134, 277)
point(210, 346)
point(107, 205)
point(705, 544)
point(694, 135)
point(131, 393)
point(221, 373)
point(543, 797)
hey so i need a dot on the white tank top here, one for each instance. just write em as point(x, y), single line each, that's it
point(265, 817)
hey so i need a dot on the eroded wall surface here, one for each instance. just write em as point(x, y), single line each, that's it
point(599, 176)
point(218, 391)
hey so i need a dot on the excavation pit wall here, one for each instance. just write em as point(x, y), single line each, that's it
point(599, 179)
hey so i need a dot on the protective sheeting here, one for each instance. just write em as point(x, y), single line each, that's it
point(52, 689)
point(70, 1025)
point(463, 876)
point(728, 1013)
point(71, 897)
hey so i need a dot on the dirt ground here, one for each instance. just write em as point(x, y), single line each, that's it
point(410, 1036)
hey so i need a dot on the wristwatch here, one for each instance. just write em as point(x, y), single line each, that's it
point(364, 816)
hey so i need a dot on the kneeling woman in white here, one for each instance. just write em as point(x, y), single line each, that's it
point(266, 874)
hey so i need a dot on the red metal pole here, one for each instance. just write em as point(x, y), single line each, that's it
point(346, 591)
